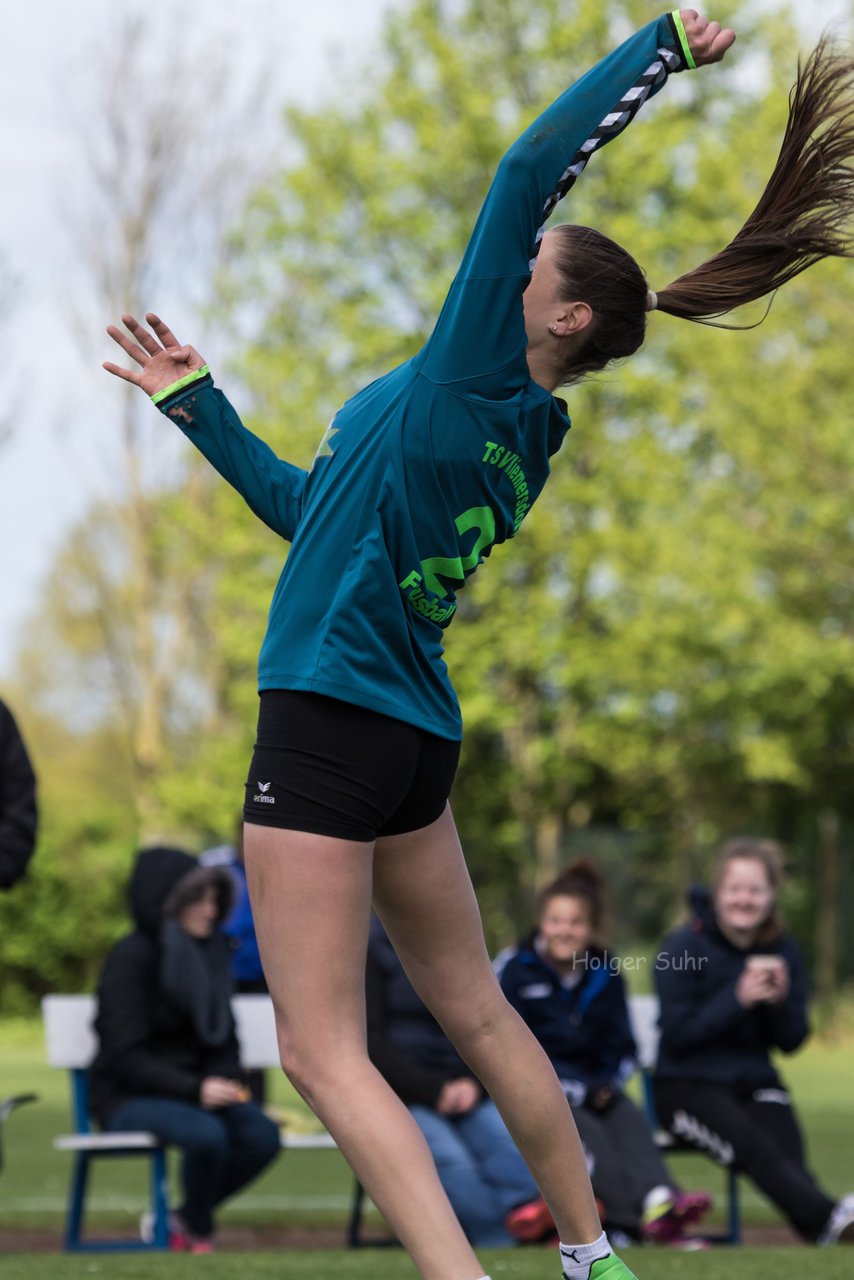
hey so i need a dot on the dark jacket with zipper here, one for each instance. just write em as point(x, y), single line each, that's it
point(584, 1028)
point(706, 1035)
point(148, 1044)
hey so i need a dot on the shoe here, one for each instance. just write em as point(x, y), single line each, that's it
point(610, 1268)
point(840, 1224)
point(689, 1244)
point(200, 1246)
point(529, 1223)
point(178, 1241)
point(659, 1224)
point(690, 1206)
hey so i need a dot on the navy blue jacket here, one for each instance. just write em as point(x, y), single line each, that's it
point(705, 1033)
point(584, 1029)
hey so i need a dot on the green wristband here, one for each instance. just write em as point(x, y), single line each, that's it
point(180, 384)
point(683, 39)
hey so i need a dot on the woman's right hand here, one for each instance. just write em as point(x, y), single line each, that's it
point(708, 41)
point(216, 1091)
point(161, 362)
point(458, 1096)
point(753, 987)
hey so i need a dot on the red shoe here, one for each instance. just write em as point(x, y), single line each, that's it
point(531, 1222)
point(200, 1246)
point(690, 1206)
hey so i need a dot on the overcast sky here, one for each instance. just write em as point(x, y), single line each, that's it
point(46, 55)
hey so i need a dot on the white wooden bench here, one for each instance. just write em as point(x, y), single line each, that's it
point(643, 1014)
point(72, 1043)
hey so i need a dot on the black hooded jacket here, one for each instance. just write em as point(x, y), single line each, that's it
point(706, 1034)
point(18, 817)
point(149, 1045)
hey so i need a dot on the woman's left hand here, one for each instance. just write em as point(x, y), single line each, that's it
point(162, 359)
point(708, 41)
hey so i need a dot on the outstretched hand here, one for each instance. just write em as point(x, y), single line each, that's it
point(708, 41)
point(162, 359)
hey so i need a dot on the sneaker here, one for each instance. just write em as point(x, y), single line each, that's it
point(690, 1206)
point(177, 1234)
point(659, 1224)
point(610, 1268)
point(529, 1223)
point(840, 1224)
point(200, 1246)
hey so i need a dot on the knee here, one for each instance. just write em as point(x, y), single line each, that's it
point(208, 1141)
point(305, 1066)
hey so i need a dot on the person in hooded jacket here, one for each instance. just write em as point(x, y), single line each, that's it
point(18, 812)
point(570, 992)
point(733, 987)
point(168, 1059)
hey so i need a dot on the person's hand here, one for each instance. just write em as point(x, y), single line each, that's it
point(161, 362)
point(601, 1099)
point(779, 981)
point(458, 1096)
point(708, 41)
point(216, 1091)
point(753, 986)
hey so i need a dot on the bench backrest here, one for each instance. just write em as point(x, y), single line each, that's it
point(71, 1041)
point(643, 1016)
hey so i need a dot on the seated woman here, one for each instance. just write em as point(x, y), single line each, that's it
point(168, 1058)
point(485, 1178)
point(732, 987)
point(571, 994)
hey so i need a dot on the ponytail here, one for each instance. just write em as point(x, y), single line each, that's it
point(806, 211)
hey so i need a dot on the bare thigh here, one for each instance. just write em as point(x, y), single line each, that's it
point(311, 902)
point(424, 897)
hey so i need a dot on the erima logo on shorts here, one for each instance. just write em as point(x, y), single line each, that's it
point(263, 798)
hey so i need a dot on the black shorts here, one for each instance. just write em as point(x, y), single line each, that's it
point(340, 770)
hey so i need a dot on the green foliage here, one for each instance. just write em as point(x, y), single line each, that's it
point(664, 656)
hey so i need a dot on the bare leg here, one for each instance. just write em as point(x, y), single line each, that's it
point(311, 900)
point(424, 896)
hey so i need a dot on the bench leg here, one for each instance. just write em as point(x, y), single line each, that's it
point(77, 1200)
point(357, 1208)
point(734, 1211)
point(159, 1200)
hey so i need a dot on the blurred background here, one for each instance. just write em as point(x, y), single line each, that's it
point(665, 658)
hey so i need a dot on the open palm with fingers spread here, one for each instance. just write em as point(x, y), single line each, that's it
point(161, 358)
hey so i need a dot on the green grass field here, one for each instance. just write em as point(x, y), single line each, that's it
point(310, 1191)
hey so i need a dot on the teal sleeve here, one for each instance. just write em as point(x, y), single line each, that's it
point(272, 488)
point(479, 338)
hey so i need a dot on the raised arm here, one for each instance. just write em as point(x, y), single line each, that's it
point(180, 384)
point(480, 335)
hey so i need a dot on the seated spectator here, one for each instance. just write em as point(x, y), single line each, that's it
point(570, 992)
point(485, 1178)
point(732, 987)
point(168, 1058)
point(239, 927)
point(18, 813)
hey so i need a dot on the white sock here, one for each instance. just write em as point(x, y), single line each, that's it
point(577, 1259)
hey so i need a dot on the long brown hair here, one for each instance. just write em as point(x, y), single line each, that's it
point(805, 213)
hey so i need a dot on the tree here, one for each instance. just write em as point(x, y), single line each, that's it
point(650, 650)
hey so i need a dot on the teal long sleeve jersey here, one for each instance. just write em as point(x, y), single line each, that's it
point(424, 471)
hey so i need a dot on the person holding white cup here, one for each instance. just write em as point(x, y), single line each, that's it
point(733, 987)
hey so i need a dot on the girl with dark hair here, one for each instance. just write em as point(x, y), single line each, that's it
point(569, 989)
point(733, 988)
point(417, 478)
